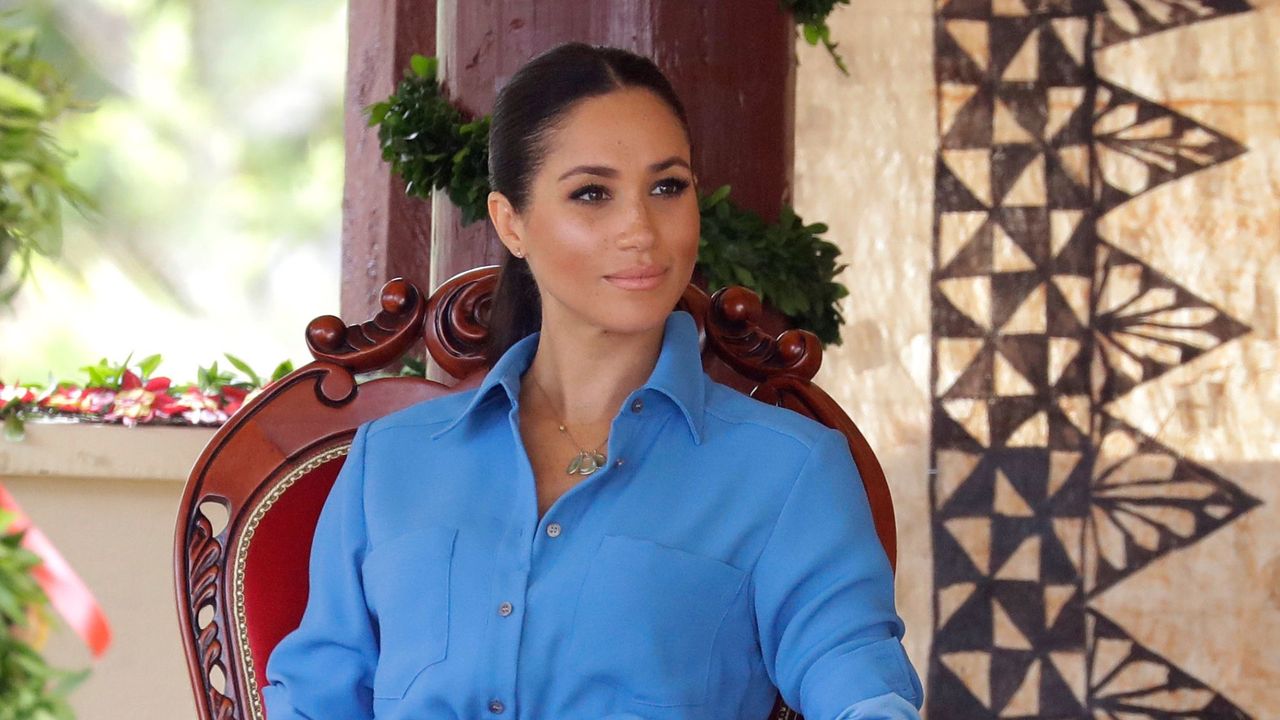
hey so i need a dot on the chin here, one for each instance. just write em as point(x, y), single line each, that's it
point(628, 315)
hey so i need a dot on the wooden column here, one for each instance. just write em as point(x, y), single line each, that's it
point(384, 232)
point(731, 61)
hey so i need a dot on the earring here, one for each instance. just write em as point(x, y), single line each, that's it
point(518, 253)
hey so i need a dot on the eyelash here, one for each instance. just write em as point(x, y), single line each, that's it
point(678, 187)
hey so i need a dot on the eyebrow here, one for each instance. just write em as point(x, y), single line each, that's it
point(606, 171)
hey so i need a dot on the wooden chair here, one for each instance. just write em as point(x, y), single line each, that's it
point(248, 514)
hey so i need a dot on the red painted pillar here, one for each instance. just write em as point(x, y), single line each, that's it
point(385, 233)
point(731, 61)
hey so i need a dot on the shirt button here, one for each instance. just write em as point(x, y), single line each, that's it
point(553, 530)
point(504, 609)
point(496, 707)
point(618, 462)
point(637, 405)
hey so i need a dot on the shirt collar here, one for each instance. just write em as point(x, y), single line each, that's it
point(678, 373)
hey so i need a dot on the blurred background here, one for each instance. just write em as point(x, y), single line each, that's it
point(213, 148)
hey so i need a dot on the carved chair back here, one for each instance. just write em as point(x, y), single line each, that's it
point(248, 514)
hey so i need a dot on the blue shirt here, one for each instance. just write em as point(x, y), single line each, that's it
point(725, 552)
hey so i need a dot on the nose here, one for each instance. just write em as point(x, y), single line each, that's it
point(638, 231)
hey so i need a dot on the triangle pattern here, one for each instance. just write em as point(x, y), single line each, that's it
point(1181, 501)
point(971, 296)
point(1056, 598)
point(952, 97)
point(1064, 103)
point(1072, 667)
point(951, 598)
point(1026, 699)
point(1006, 130)
point(1072, 33)
point(1061, 352)
point(971, 415)
point(1006, 255)
point(1008, 381)
point(974, 537)
point(1132, 166)
point(1029, 189)
point(1127, 20)
point(1024, 563)
point(1034, 432)
point(1070, 534)
point(1170, 332)
point(1061, 464)
point(1008, 501)
point(1031, 317)
point(973, 169)
point(1025, 64)
point(1135, 676)
point(1075, 290)
point(1062, 227)
point(955, 231)
point(954, 468)
point(974, 670)
point(973, 38)
point(1078, 409)
point(1006, 634)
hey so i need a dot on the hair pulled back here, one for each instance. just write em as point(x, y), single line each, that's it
point(525, 114)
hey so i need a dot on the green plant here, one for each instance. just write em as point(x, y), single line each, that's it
point(811, 15)
point(431, 144)
point(33, 178)
point(787, 263)
point(29, 688)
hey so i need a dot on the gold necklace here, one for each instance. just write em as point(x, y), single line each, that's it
point(586, 461)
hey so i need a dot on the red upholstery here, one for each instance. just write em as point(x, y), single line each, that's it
point(275, 570)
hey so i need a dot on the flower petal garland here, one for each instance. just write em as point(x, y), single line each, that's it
point(132, 396)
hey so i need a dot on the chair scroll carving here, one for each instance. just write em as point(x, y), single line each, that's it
point(264, 460)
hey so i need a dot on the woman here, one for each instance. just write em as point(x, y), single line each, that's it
point(598, 530)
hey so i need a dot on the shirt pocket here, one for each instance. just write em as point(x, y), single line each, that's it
point(647, 619)
point(406, 582)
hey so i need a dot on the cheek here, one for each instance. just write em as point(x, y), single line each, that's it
point(682, 227)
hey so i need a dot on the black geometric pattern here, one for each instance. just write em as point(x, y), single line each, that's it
point(1041, 500)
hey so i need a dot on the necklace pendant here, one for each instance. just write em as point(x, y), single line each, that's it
point(585, 463)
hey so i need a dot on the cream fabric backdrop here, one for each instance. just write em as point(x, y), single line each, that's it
point(1063, 227)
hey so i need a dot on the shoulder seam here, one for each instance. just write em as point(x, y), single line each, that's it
point(767, 426)
point(419, 423)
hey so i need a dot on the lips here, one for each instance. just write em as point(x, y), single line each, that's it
point(641, 278)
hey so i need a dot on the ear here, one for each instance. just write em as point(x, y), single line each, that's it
point(507, 222)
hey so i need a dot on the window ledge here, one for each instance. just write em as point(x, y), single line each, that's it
point(113, 452)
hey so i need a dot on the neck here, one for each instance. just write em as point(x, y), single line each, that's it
point(587, 372)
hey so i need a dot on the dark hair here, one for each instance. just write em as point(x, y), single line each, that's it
point(525, 113)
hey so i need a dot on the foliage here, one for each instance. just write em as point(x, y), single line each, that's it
point(788, 264)
point(33, 178)
point(29, 688)
point(811, 15)
point(215, 154)
point(132, 394)
point(431, 144)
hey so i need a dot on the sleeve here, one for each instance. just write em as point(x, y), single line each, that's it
point(823, 595)
point(324, 668)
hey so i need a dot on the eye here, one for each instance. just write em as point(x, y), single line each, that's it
point(589, 194)
point(670, 186)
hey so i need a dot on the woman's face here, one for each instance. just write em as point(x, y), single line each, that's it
point(614, 197)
